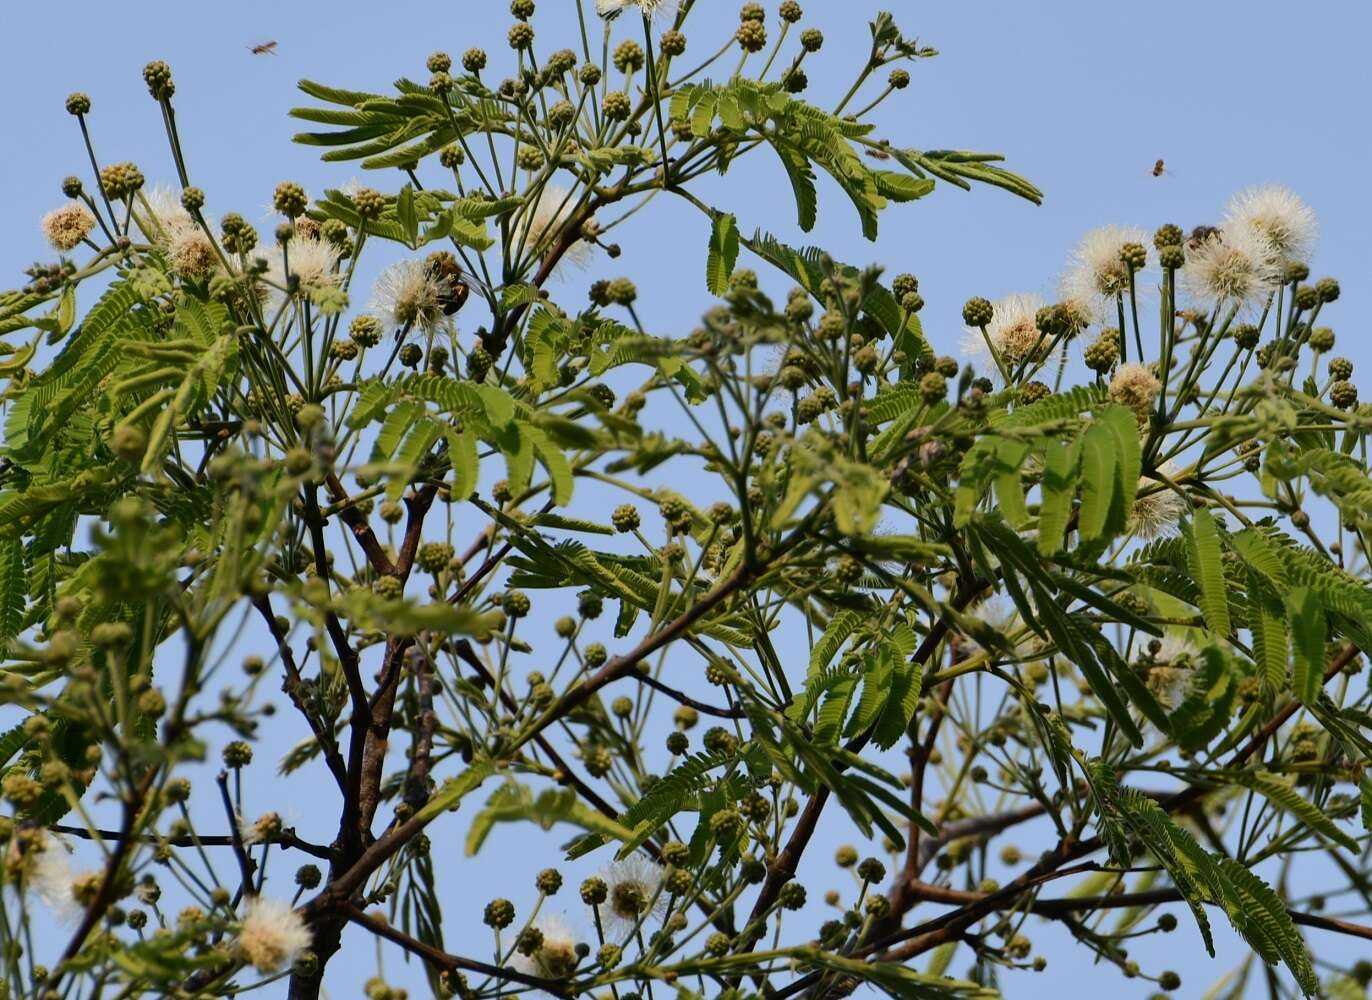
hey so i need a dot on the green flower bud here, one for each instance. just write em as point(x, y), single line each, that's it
point(290, 199)
point(791, 896)
point(795, 81)
point(752, 12)
point(589, 605)
point(1327, 289)
point(474, 60)
point(1168, 236)
point(369, 203)
point(628, 56)
point(812, 39)
point(157, 75)
point(752, 36)
point(672, 43)
point(499, 913)
point(516, 603)
point(595, 655)
point(237, 754)
point(790, 11)
point(1340, 369)
point(521, 35)
point(1171, 256)
point(439, 62)
point(871, 870)
point(594, 891)
point(616, 105)
point(78, 104)
point(977, 312)
point(899, 78)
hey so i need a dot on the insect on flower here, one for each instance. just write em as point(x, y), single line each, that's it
point(452, 280)
point(264, 49)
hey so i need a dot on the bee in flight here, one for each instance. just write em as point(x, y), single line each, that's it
point(1159, 168)
point(264, 49)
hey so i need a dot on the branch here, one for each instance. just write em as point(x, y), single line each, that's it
point(286, 839)
point(443, 960)
point(361, 529)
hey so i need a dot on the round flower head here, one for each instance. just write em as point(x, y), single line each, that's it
point(1136, 387)
point(555, 957)
point(1012, 330)
point(68, 225)
point(192, 254)
point(1170, 676)
point(272, 935)
point(1158, 509)
point(541, 222)
point(1098, 275)
point(163, 218)
point(651, 8)
point(312, 262)
point(51, 878)
point(407, 293)
point(634, 885)
point(1235, 266)
point(1278, 215)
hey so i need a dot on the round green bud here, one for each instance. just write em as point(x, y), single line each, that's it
point(752, 36)
point(685, 717)
point(521, 35)
point(609, 956)
point(440, 83)
point(791, 896)
point(866, 359)
point(717, 739)
point(237, 754)
point(616, 105)
point(790, 11)
point(474, 60)
point(1134, 256)
point(594, 891)
point(625, 517)
point(677, 743)
point(1340, 369)
point(622, 292)
point(1321, 339)
point(78, 104)
point(622, 707)
point(522, 9)
point(128, 441)
point(516, 603)
point(725, 823)
point(1327, 289)
point(1169, 981)
point(812, 39)
point(308, 876)
point(499, 913)
point(1307, 297)
point(120, 180)
point(933, 387)
point(528, 158)
point(71, 187)
point(679, 881)
point(595, 655)
point(411, 355)
point(439, 62)
point(899, 78)
point(390, 588)
point(871, 870)
point(795, 81)
point(589, 74)
point(1246, 336)
point(157, 75)
point(672, 43)
point(1344, 395)
point(628, 56)
point(977, 312)
point(589, 605)
point(369, 203)
point(1171, 256)
point(290, 199)
point(451, 156)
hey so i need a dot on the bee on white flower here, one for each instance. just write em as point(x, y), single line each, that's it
point(264, 829)
point(1278, 215)
point(555, 957)
point(634, 886)
point(1234, 266)
point(652, 9)
point(272, 935)
point(1098, 274)
point(408, 293)
point(66, 226)
point(1013, 330)
point(541, 223)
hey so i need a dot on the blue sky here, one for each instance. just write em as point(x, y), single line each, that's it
point(1081, 96)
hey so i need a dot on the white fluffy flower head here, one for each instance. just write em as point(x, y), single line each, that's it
point(650, 8)
point(272, 935)
point(164, 218)
point(1278, 215)
point(1235, 266)
point(555, 957)
point(66, 226)
point(1097, 275)
point(1158, 509)
point(407, 293)
point(313, 262)
point(1013, 330)
point(541, 221)
point(634, 885)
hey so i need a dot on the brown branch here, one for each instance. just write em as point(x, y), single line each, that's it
point(291, 686)
point(361, 529)
point(286, 839)
point(442, 960)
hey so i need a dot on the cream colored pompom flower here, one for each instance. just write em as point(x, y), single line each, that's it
point(66, 226)
point(1279, 216)
point(1158, 508)
point(408, 294)
point(540, 225)
point(1098, 274)
point(272, 935)
point(1013, 330)
point(1234, 266)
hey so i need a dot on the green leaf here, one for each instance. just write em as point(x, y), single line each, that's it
point(1308, 634)
point(405, 213)
point(1282, 793)
point(13, 590)
point(1099, 470)
point(1058, 488)
point(1206, 561)
point(452, 791)
point(723, 255)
